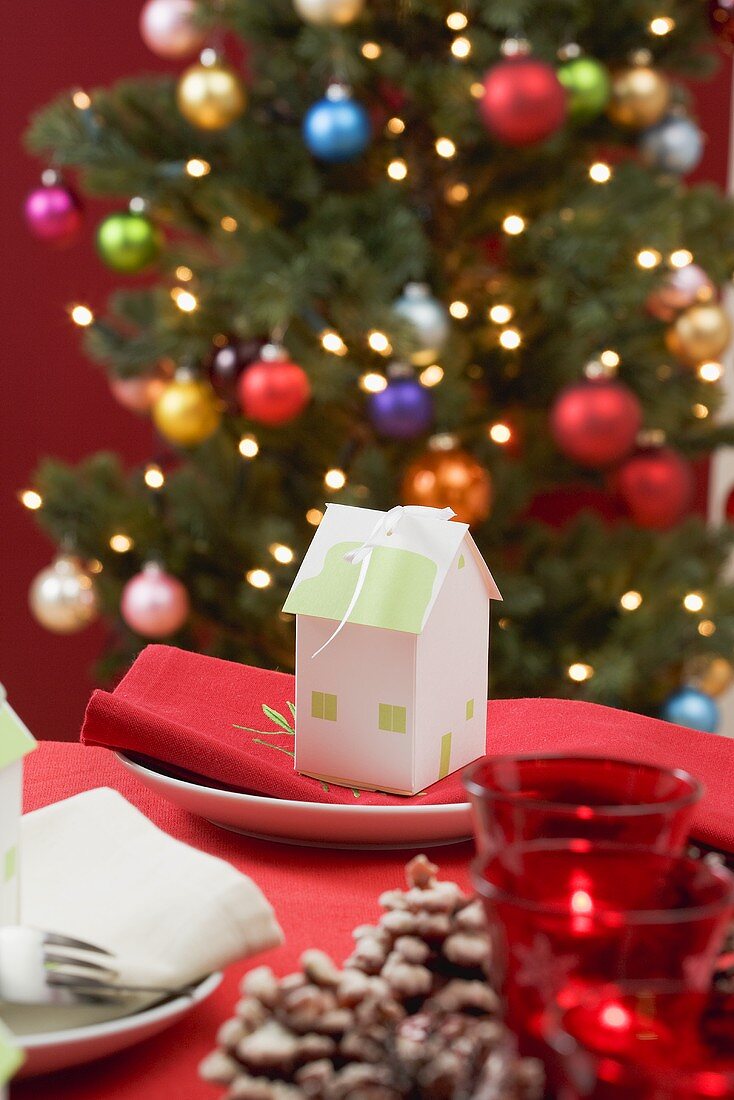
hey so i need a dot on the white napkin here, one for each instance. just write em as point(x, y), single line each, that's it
point(95, 868)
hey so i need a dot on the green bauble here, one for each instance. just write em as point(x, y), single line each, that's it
point(588, 85)
point(128, 242)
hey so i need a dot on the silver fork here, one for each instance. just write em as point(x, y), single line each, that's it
point(45, 968)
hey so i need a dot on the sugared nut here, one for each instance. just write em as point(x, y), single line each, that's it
point(262, 984)
point(353, 987)
point(218, 1068)
point(335, 1022)
point(433, 926)
point(412, 949)
point(421, 872)
point(245, 1087)
point(309, 999)
point(471, 917)
point(530, 1078)
point(270, 1047)
point(393, 899)
point(230, 1033)
point(320, 968)
point(313, 1047)
point(251, 1012)
point(368, 955)
point(443, 897)
point(370, 932)
point(466, 948)
point(357, 1047)
point(292, 981)
point(399, 922)
point(408, 980)
point(459, 995)
point(314, 1075)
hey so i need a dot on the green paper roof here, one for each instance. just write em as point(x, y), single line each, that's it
point(16, 740)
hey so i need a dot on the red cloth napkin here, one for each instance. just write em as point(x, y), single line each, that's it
point(207, 717)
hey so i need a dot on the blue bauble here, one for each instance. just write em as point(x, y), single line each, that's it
point(402, 410)
point(673, 145)
point(693, 708)
point(336, 128)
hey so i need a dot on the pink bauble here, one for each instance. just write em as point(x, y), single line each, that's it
point(53, 214)
point(138, 394)
point(154, 603)
point(682, 288)
point(168, 28)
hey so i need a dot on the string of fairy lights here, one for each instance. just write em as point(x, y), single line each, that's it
point(502, 314)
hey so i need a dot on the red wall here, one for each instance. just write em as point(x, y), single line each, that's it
point(53, 402)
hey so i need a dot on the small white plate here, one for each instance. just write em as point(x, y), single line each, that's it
point(53, 1050)
point(324, 825)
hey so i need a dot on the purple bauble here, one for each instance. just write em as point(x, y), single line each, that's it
point(682, 288)
point(227, 364)
point(53, 213)
point(154, 603)
point(169, 28)
point(402, 410)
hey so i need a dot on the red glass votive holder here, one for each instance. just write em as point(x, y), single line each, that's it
point(639, 1041)
point(565, 915)
point(517, 799)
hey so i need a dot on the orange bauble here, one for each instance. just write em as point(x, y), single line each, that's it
point(450, 479)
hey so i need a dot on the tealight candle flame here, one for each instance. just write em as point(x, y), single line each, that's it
point(581, 902)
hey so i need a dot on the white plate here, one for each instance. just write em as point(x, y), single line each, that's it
point(326, 825)
point(52, 1050)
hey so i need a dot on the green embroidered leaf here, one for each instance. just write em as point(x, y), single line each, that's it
point(356, 793)
point(292, 709)
point(277, 748)
point(278, 719)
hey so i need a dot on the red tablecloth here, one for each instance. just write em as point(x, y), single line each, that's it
point(319, 895)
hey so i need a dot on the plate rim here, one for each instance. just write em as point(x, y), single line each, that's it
point(121, 1024)
point(326, 807)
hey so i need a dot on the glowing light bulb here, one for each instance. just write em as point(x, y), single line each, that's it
point(258, 578)
point(477, 89)
point(581, 902)
point(456, 21)
point(631, 600)
point(501, 314)
point(81, 100)
point(335, 479)
point(459, 310)
point(228, 224)
point(700, 411)
point(707, 627)
point(661, 25)
point(693, 601)
point(579, 671)
point(184, 274)
point(29, 498)
point(648, 258)
point(457, 192)
point(184, 299)
point(332, 341)
point(510, 339)
point(379, 342)
point(680, 258)
point(248, 446)
point(513, 225)
point(709, 372)
point(616, 1016)
point(610, 358)
point(395, 125)
point(82, 316)
point(154, 477)
point(445, 148)
point(282, 553)
point(371, 50)
point(397, 169)
point(121, 543)
point(431, 376)
point(600, 172)
point(373, 382)
point(314, 516)
point(461, 47)
point(196, 167)
point(500, 433)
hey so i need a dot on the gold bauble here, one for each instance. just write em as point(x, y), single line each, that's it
point(62, 597)
point(640, 97)
point(187, 412)
point(699, 333)
point(449, 479)
point(712, 675)
point(328, 13)
point(211, 96)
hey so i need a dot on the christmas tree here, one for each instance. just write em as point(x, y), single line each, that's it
point(405, 252)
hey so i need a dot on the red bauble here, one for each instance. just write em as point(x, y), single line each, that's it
point(657, 486)
point(595, 423)
point(273, 389)
point(523, 101)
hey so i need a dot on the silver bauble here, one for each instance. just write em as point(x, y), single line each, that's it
point(328, 13)
point(429, 319)
point(674, 145)
point(62, 597)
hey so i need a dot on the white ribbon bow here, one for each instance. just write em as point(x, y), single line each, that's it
point(362, 556)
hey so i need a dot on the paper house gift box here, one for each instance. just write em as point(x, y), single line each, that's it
point(15, 743)
point(392, 638)
point(11, 1058)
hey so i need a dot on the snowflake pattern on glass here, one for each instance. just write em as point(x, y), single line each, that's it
point(541, 968)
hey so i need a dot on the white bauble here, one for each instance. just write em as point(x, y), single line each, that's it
point(430, 321)
point(328, 13)
point(62, 597)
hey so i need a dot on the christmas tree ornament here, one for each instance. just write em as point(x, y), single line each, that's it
point(274, 390)
point(210, 94)
point(62, 597)
point(729, 506)
point(449, 477)
point(595, 423)
point(675, 144)
point(429, 320)
point(656, 484)
point(140, 393)
point(336, 128)
point(587, 85)
point(53, 213)
point(692, 708)
point(640, 97)
point(721, 17)
point(188, 411)
point(154, 603)
point(681, 288)
point(708, 673)
point(328, 13)
point(227, 364)
point(701, 332)
point(128, 241)
point(169, 28)
point(404, 409)
point(523, 101)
